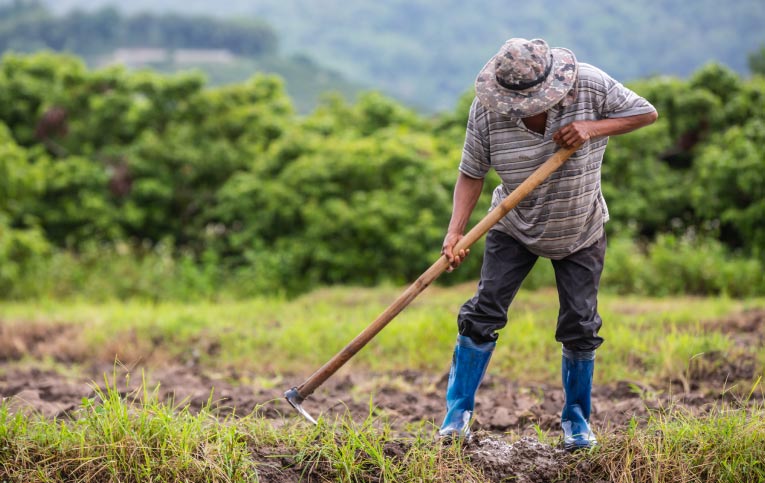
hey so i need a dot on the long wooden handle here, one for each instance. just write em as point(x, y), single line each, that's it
point(432, 273)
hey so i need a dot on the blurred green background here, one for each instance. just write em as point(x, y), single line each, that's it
point(186, 150)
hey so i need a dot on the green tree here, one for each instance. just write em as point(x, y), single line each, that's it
point(757, 61)
point(730, 187)
point(21, 183)
point(231, 180)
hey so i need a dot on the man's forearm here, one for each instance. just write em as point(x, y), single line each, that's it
point(622, 125)
point(466, 194)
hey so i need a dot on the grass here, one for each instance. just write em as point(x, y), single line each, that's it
point(646, 338)
point(137, 437)
point(725, 445)
point(113, 439)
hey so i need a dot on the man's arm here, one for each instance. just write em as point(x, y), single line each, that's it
point(466, 194)
point(580, 131)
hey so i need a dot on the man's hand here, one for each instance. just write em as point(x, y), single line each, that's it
point(466, 194)
point(575, 134)
point(578, 132)
point(455, 259)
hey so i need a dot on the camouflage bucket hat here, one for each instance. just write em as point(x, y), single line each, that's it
point(527, 77)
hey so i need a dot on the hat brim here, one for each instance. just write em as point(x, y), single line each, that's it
point(532, 101)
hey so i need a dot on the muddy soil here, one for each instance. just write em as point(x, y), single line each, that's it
point(503, 406)
point(407, 397)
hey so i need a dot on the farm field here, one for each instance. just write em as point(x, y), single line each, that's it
point(143, 391)
point(178, 250)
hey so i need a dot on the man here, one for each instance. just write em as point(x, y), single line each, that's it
point(531, 99)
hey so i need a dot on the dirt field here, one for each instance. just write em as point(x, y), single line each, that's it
point(503, 406)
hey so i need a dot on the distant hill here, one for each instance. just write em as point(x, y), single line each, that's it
point(427, 52)
point(225, 49)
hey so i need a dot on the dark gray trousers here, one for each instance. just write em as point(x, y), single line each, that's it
point(506, 263)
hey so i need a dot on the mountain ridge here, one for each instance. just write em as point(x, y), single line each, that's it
point(427, 52)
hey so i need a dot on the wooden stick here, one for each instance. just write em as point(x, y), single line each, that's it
point(432, 273)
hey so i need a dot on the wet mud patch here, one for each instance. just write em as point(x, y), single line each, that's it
point(44, 392)
point(54, 395)
point(711, 368)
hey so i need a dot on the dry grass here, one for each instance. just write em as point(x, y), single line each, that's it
point(113, 438)
point(727, 444)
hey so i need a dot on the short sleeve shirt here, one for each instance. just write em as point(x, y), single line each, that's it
point(567, 211)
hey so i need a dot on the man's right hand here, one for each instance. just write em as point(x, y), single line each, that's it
point(455, 259)
point(466, 194)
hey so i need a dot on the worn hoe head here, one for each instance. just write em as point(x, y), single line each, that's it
point(296, 401)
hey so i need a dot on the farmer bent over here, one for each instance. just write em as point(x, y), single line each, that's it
point(530, 99)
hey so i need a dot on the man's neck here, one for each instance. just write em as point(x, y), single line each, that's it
point(536, 123)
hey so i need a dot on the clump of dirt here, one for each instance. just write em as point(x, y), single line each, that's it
point(715, 369)
point(45, 392)
point(746, 329)
point(64, 342)
point(715, 366)
point(40, 340)
point(274, 466)
point(751, 321)
point(525, 461)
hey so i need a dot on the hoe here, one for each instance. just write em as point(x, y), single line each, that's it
point(298, 394)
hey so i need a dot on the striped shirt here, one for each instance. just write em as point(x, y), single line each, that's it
point(567, 211)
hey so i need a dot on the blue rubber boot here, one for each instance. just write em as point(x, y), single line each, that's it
point(577, 371)
point(468, 367)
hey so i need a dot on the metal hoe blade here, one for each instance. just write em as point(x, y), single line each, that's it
point(296, 401)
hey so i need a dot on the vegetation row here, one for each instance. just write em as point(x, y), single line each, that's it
point(140, 184)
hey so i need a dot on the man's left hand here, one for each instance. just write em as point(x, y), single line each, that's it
point(575, 134)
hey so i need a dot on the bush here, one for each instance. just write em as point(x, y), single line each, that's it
point(124, 272)
point(730, 187)
point(19, 250)
point(680, 265)
point(132, 184)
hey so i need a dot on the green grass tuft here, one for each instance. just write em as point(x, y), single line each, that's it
point(135, 437)
point(726, 445)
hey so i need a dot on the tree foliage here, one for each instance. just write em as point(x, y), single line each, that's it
point(757, 61)
point(232, 178)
